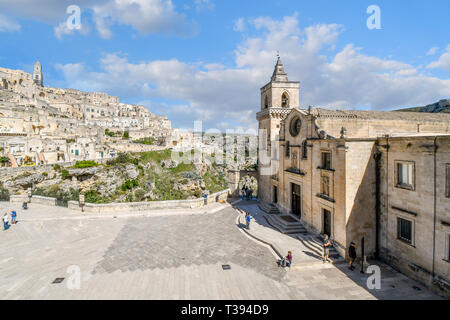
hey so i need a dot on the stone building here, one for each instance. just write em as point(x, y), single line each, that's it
point(348, 174)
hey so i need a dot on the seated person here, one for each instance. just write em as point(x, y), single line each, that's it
point(286, 261)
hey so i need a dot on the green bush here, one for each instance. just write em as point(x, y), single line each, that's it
point(56, 192)
point(45, 174)
point(85, 164)
point(64, 174)
point(183, 167)
point(139, 194)
point(4, 159)
point(56, 167)
point(129, 184)
point(146, 141)
point(156, 156)
point(92, 196)
point(126, 135)
point(123, 158)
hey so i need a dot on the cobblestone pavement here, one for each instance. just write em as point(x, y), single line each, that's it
point(167, 257)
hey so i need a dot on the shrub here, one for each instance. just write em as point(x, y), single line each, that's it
point(126, 135)
point(85, 164)
point(56, 167)
point(123, 158)
point(92, 196)
point(183, 167)
point(45, 174)
point(129, 184)
point(139, 194)
point(146, 141)
point(64, 174)
point(156, 156)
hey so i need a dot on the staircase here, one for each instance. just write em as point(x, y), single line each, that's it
point(287, 227)
point(315, 244)
point(269, 208)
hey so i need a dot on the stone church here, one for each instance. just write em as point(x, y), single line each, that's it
point(382, 176)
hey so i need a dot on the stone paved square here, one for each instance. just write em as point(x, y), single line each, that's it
point(168, 257)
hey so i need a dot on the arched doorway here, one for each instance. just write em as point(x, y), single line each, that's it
point(251, 183)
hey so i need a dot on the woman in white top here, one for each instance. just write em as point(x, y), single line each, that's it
point(5, 221)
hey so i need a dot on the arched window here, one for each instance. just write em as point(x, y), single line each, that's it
point(266, 102)
point(285, 100)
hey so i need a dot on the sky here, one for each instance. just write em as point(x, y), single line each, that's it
point(207, 59)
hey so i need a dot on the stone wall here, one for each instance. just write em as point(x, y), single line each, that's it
point(425, 205)
point(131, 206)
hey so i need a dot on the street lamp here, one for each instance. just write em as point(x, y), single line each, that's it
point(30, 194)
point(82, 202)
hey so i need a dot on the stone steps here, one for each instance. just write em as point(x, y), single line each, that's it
point(268, 208)
point(285, 227)
point(315, 244)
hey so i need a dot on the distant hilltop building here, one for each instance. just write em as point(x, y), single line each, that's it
point(37, 121)
point(37, 74)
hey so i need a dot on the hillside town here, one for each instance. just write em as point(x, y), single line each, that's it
point(44, 125)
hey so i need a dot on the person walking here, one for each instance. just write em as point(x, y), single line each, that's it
point(352, 255)
point(248, 218)
point(243, 192)
point(13, 217)
point(251, 193)
point(246, 193)
point(326, 248)
point(5, 222)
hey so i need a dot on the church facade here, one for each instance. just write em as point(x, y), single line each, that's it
point(381, 176)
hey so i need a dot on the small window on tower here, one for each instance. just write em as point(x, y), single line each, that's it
point(285, 100)
point(266, 102)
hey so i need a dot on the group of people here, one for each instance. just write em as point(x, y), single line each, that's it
point(287, 260)
point(351, 252)
point(247, 193)
point(6, 219)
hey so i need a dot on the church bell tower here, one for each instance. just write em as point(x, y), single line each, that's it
point(278, 98)
point(37, 74)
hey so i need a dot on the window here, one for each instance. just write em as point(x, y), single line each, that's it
point(325, 185)
point(447, 181)
point(266, 102)
point(326, 160)
point(305, 150)
point(285, 100)
point(405, 175)
point(288, 149)
point(404, 230)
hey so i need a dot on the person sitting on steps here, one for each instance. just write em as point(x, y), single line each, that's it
point(286, 261)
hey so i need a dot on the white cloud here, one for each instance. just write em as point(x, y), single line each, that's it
point(8, 24)
point(239, 25)
point(432, 51)
point(204, 5)
point(62, 29)
point(443, 62)
point(229, 96)
point(145, 16)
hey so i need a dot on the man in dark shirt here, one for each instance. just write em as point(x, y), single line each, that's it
point(352, 255)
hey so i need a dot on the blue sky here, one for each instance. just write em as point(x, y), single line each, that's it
point(206, 59)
